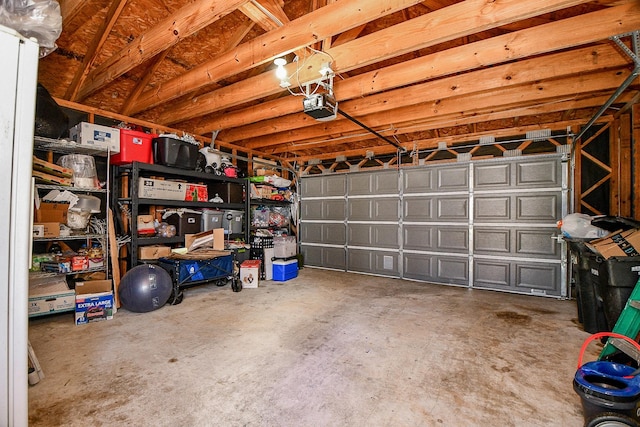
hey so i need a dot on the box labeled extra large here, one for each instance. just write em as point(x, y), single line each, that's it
point(94, 301)
point(149, 188)
point(96, 136)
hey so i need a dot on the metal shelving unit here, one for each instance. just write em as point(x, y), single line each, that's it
point(126, 194)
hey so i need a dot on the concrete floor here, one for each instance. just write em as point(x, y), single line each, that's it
point(324, 349)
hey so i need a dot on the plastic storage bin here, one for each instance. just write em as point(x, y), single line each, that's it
point(285, 270)
point(211, 218)
point(135, 146)
point(187, 223)
point(232, 221)
point(614, 280)
point(174, 152)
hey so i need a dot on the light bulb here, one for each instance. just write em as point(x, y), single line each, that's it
point(281, 72)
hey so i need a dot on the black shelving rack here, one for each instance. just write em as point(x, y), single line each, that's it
point(136, 170)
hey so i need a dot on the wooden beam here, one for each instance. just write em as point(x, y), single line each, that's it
point(268, 14)
point(69, 9)
point(568, 33)
point(135, 93)
point(468, 17)
point(534, 93)
point(577, 61)
point(168, 32)
point(98, 41)
point(297, 34)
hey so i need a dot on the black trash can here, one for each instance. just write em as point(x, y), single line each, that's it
point(590, 307)
point(615, 279)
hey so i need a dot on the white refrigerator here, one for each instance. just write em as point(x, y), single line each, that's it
point(18, 81)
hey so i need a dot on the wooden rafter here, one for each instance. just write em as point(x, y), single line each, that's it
point(586, 29)
point(98, 41)
point(167, 33)
point(295, 35)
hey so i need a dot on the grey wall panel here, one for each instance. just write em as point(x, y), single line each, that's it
point(360, 260)
point(327, 257)
point(492, 208)
point(311, 187)
point(491, 241)
point(334, 258)
point(491, 273)
point(359, 235)
point(453, 208)
point(334, 209)
point(323, 186)
point(418, 266)
point(382, 209)
point(545, 277)
point(546, 207)
point(374, 262)
point(372, 183)
point(311, 232)
point(386, 263)
point(495, 175)
point(537, 243)
point(418, 208)
point(542, 173)
point(312, 255)
point(530, 207)
point(334, 185)
point(331, 209)
point(311, 209)
point(418, 181)
point(441, 178)
point(453, 178)
point(453, 239)
point(418, 237)
point(332, 234)
point(452, 270)
point(373, 235)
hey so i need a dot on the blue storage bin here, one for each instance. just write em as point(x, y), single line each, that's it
point(285, 270)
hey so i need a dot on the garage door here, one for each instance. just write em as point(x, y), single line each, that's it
point(483, 224)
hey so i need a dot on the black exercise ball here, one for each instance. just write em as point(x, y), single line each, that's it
point(145, 288)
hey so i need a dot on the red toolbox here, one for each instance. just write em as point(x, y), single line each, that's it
point(135, 146)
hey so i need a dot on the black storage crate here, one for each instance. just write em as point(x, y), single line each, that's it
point(188, 223)
point(174, 152)
point(614, 280)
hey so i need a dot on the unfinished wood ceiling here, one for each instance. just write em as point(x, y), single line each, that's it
point(420, 73)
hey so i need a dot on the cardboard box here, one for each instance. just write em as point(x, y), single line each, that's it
point(96, 136)
point(94, 301)
point(146, 225)
point(52, 297)
point(618, 243)
point(211, 239)
point(149, 188)
point(153, 252)
point(52, 212)
point(46, 229)
point(250, 273)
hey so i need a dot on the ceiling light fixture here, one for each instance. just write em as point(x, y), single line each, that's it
point(281, 72)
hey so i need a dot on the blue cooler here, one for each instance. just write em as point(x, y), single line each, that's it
point(285, 270)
